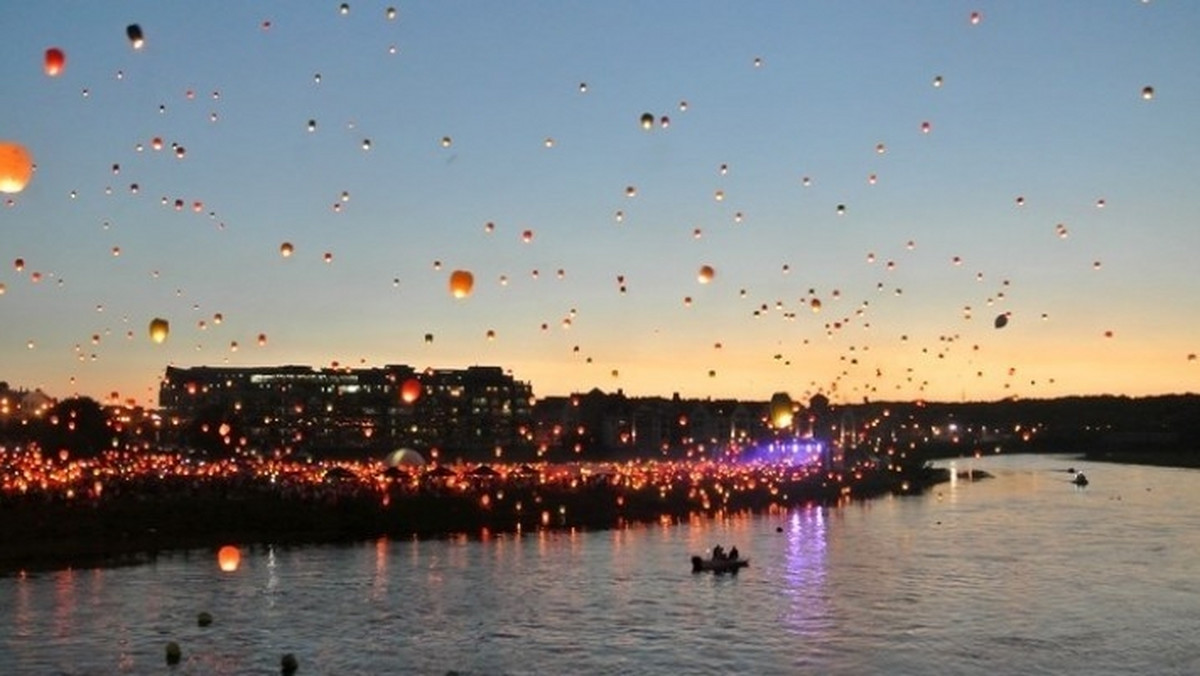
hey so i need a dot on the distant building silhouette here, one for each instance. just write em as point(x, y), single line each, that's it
point(599, 425)
point(479, 412)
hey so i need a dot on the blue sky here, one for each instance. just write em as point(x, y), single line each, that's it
point(1037, 100)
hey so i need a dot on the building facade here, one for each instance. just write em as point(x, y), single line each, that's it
point(473, 413)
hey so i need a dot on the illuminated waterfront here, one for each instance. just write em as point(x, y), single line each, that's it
point(58, 512)
point(1024, 573)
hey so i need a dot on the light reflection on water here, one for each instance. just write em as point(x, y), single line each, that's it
point(1024, 573)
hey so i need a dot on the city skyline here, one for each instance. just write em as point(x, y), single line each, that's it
point(946, 201)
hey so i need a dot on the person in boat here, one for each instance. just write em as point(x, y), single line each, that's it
point(718, 553)
point(733, 553)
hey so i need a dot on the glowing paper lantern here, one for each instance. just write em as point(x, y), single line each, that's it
point(410, 391)
point(134, 33)
point(54, 62)
point(461, 283)
point(16, 167)
point(159, 329)
point(706, 274)
point(781, 410)
point(647, 121)
point(286, 249)
point(229, 558)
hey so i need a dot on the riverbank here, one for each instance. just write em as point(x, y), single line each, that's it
point(1159, 457)
point(44, 532)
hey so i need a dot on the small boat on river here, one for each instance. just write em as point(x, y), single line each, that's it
point(1080, 480)
point(725, 565)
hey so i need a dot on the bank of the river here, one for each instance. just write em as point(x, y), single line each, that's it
point(1160, 457)
point(40, 533)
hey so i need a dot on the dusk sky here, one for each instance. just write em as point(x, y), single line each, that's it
point(873, 184)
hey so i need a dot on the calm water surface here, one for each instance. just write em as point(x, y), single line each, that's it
point(1025, 573)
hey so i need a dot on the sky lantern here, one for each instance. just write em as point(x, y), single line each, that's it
point(134, 33)
point(410, 391)
point(781, 410)
point(229, 558)
point(1147, 92)
point(647, 121)
point(159, 329)
point(1001, 320)
point(706, 274)
point(461, 282)
point(54, 62)
point(16, 167)
point(286, 249)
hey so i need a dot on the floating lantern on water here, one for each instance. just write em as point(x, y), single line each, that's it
point(229, 558)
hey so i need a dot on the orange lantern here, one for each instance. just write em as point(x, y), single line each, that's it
point(159, 329)
point(286, 249)
point(54, 62)
point(461, 282)
point(16, 167)
point(706, 274)
point(410, 391)
point(229, 558)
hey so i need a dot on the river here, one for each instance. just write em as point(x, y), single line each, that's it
point(1023, 573)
